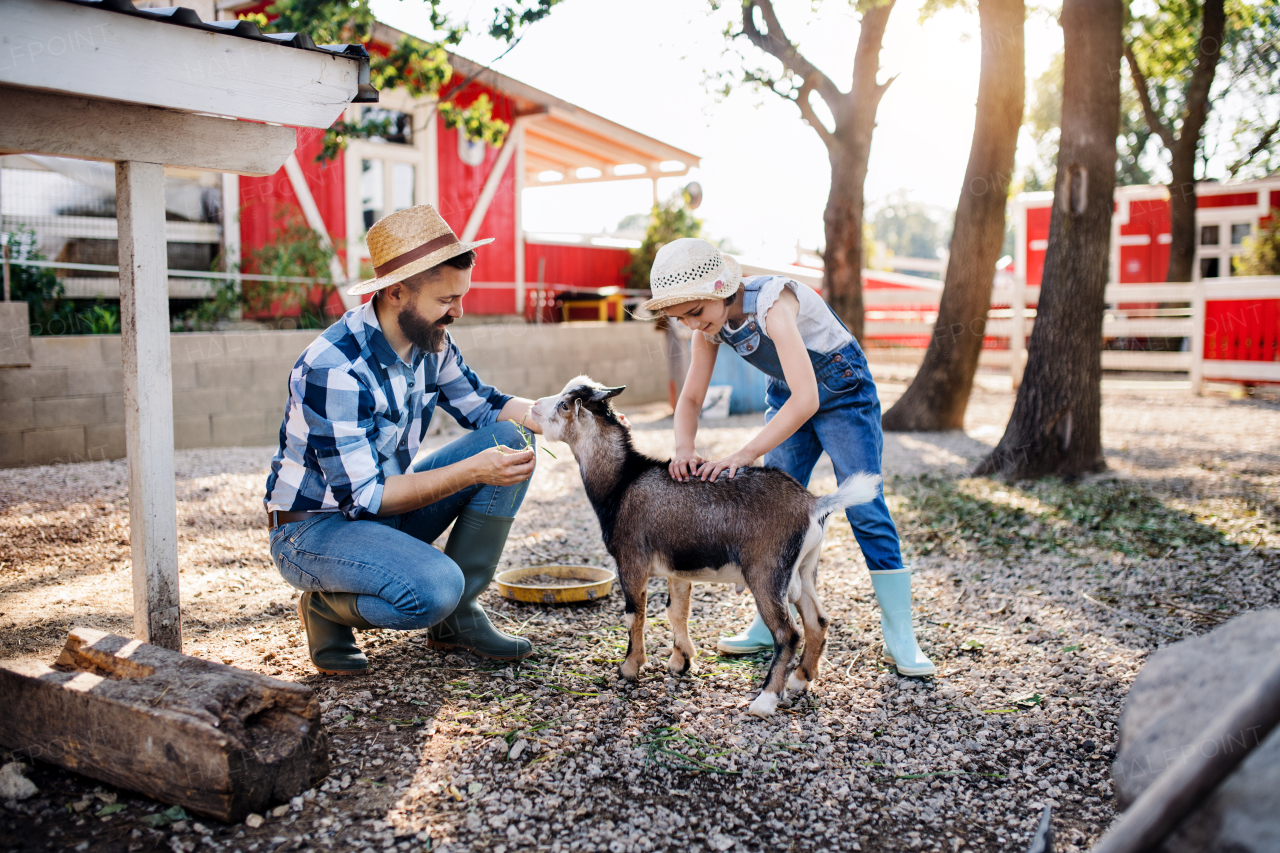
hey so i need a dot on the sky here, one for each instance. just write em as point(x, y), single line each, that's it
point(765, 173)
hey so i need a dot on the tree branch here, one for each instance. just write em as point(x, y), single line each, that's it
point(1208, 51)
point(776, 44)
point(1264, 142)
point(806, 111)
point(1154, 122)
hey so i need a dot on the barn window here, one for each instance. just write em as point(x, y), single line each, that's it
point(400, 125)
point(402, 183)
point(372, 197)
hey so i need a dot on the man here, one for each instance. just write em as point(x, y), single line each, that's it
point(351, 516)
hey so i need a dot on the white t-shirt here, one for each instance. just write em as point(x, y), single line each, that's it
point(819, 328)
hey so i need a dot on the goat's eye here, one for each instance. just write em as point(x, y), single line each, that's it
point(562, 405)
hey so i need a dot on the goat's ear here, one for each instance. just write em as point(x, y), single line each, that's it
point(607, 393)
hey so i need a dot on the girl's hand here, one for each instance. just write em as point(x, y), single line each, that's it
point(731, 463)
point(685, 465)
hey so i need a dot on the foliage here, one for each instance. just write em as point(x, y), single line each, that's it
point(476, 121)
point(48, 311)
point(1044, 120)
point(669, 221)
point(1164, 38)
point(909, 228)
point(294, 252)
point(420, 68)
point(1262, 250)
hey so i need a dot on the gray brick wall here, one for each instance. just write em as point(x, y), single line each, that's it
point(229, 387)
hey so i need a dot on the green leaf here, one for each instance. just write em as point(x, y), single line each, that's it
point(972, 644)
point(173, 814)
point(111, 809)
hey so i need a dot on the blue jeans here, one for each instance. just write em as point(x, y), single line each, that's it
point(847, 427)
point(403, 582)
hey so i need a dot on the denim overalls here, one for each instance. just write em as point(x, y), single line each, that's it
point(846, 425)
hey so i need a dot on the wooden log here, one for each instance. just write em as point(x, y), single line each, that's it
point(216, 740)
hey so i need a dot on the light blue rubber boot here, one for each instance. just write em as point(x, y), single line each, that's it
point(757, 637)
point(893, 591)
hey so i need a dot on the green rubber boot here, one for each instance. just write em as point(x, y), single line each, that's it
point(476, 546)
point(328, 618)
point(757, 637)
point(893, 591)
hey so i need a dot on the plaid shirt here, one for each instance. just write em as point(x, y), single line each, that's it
point(357, 414)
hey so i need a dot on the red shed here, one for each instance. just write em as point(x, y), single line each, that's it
point(476, 187)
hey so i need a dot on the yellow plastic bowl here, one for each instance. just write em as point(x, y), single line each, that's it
point(596, 584)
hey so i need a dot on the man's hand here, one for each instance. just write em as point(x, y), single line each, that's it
point(502, 466)
point(685, 465)
point(731, 463)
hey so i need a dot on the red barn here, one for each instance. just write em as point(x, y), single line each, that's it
point(1241, 320)
point(476, 187)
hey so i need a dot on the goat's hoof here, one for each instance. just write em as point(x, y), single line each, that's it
point(764, 705)
point(680, 664)
point(796, 684)
point(630, 672)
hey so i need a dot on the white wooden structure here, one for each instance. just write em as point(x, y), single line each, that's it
point(146, 89)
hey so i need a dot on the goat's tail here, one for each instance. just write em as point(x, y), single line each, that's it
point(858, 489)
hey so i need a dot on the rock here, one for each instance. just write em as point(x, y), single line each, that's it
point(719, 842)
point(254, 821)
point(1180, 690)
point(280, 811)
point(14, 785)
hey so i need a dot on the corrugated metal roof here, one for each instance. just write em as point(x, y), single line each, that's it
point(183, 17)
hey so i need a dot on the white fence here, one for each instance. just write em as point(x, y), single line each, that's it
point(1178, 312)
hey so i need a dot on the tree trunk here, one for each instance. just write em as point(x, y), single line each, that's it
point(939, 394)
point(849, 146)
point(842, 258)
point(1184, 147)
point(1182, 215)
point(1056, 425)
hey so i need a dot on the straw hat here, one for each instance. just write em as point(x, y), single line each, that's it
point(688, 269)
point(408, 242)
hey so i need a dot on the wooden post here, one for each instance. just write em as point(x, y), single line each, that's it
point(1197, 337)
point(148, 403)
point(518, 131)
point(1018, 329)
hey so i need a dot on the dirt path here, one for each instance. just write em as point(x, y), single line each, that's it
point(557, 754)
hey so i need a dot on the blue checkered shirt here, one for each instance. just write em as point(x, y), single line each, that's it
point(357, 414)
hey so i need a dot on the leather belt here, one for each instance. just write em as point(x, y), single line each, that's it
point(277, 517)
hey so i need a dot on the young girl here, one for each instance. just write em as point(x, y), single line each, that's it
point(820, 396)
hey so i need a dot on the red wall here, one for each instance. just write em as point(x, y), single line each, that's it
point(1242, 330)
point(583, 266)
point(460, 187)
point(264, 200)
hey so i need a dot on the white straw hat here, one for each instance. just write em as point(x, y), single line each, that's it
point(689, 269)
point(407, 242)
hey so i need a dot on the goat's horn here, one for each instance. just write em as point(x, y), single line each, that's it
point(606, 393)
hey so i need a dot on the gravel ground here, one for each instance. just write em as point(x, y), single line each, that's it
point(1038, 603)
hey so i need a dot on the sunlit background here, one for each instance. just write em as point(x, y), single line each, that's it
point(764, 171)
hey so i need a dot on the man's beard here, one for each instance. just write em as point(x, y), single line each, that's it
point(421, 332)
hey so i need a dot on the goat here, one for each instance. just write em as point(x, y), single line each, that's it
point(760, 528)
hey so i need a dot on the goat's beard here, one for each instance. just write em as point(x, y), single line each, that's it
point(421, 332)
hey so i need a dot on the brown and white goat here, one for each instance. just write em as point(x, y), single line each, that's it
point(760, 528)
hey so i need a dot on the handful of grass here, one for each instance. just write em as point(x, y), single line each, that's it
point(528, 445)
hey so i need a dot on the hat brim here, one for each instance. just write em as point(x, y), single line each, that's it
point(690, 293)
point(411, 269)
